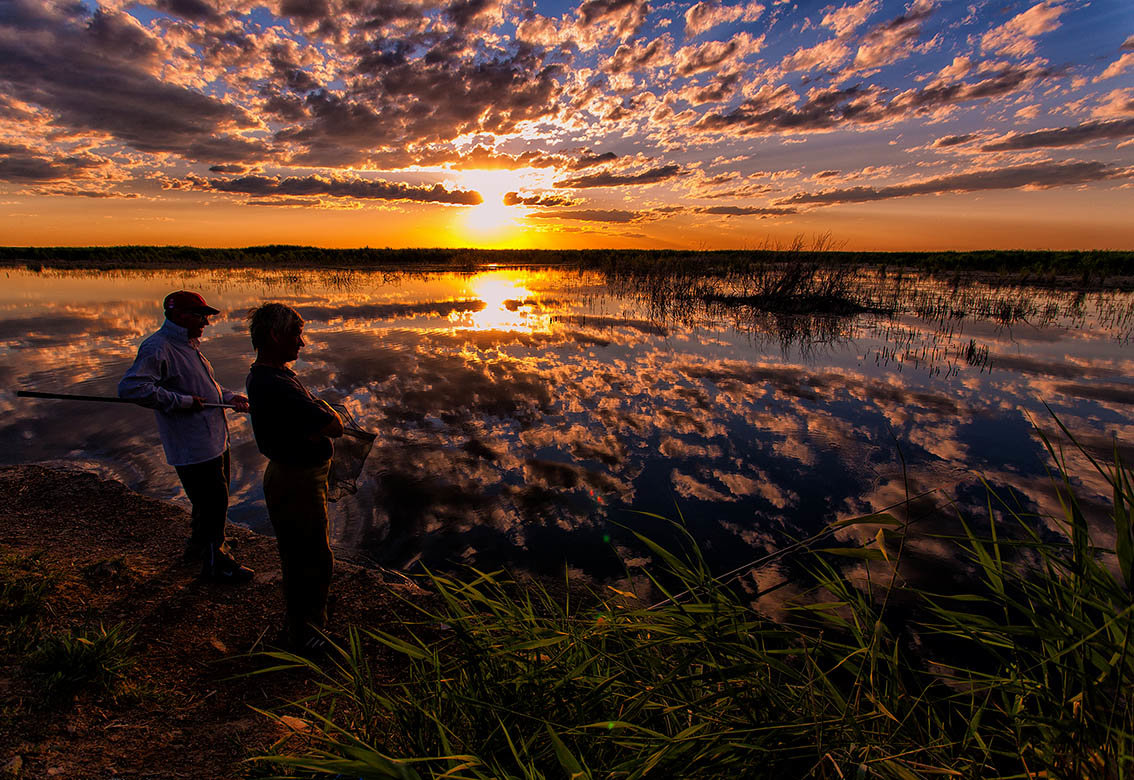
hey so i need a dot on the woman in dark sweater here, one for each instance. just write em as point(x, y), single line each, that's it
point(294, 430)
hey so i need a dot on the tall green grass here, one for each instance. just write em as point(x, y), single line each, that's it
point(1025, 671)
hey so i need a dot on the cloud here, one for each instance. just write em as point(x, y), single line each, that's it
point(591, 215)
point(720, 88)
point(956, 70)
point(849, 18)
point(339, 94)
point(953, 140)
point(1116, 103)
point(623, 18)
point(1119, 66)
point(403, 101)
point(289, 203)
point(744, 191)
point(20, 164)
point(485, 158)
point(714, 55)
point(1063, 136)
point(606, 179)
point(638, 56)
point(364, 189)
point(192, 10)
point(894, 40)
point(516, 199)
point(1038, 175)
point(538, 30)
point(588, 159)
point(1015, 37)
point(778, 110)
point(708, 14)
point(474, 13)
point(102, 72)
point(828, 55)
point(746, 211)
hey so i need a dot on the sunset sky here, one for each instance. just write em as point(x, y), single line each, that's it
point(604, 123)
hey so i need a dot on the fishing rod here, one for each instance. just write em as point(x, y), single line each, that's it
point(354, 431)
point(106, 399)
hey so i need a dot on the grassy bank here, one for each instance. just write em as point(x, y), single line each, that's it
point(1023, 672)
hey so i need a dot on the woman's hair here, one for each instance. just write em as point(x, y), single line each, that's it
point(271, 318)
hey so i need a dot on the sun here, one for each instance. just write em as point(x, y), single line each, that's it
point(492, 222)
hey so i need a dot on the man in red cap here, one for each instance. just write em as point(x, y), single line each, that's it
point(171, 376)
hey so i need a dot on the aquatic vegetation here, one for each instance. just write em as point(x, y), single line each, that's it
point(1024, 670)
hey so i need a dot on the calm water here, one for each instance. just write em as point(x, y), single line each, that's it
point(529, 418)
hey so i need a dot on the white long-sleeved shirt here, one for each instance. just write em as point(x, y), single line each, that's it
point(167, 373)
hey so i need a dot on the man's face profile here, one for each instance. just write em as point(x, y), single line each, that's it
point(194, 322)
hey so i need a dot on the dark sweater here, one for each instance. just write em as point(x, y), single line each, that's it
point(286, 419)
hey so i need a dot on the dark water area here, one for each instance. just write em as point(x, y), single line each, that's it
point(533, 419)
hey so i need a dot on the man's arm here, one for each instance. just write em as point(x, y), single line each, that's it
point(140, 383)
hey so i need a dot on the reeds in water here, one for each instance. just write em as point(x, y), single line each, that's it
point(1024, 672)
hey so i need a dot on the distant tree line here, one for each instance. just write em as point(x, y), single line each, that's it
point(1093, 264)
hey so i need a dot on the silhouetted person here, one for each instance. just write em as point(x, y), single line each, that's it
point(294, 430)
point(171, 376)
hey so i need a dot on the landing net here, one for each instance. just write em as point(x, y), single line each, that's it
point(350, 455)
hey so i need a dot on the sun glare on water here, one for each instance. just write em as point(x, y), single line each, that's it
point(508, 304)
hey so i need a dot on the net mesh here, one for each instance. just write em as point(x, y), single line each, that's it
point(350, 455)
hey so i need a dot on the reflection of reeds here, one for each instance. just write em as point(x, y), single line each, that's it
point(792, 293)
point(814, 299)
point(807, 293)
point(1022, 671)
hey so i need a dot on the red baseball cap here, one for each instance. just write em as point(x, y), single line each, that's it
point(183, 300)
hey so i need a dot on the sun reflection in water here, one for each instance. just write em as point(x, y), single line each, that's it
point(508, 304)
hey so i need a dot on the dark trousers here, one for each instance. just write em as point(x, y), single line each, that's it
point(297, 506)
point(206, 485)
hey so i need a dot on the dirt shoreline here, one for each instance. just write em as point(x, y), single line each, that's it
point(187, 712)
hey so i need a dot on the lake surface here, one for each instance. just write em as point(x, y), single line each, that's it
point(533, 418)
